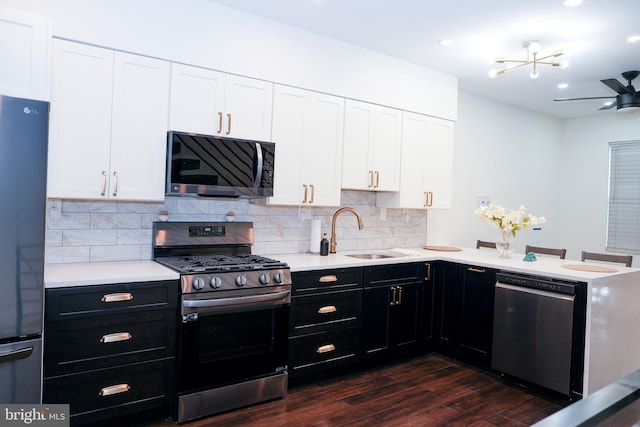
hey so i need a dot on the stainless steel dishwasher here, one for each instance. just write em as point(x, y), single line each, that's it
point(538, 331)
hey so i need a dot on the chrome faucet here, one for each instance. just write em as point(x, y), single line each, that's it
point(334, 243)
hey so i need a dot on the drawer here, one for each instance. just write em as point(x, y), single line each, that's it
point(107, 393)
point(320, 351)
point(306, 282)
point(391, 274)
point(91, 300)
point(326, 311)
point(98, 342)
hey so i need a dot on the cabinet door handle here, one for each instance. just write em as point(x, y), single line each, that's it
point(476, 270)
point(393, 296)
point(115, 184)
point(430, 203)
point(327, 309)
point(399, 302)
point(328, 279)
point(228, 123)
point(104, 183)
point(304, 200)
point(124, 296)
point(370, 179)
point(118, 336)
point(219, 121)
point(114, 389)
point(313, 193)
point(426, 199)
point(377, 179)
point(325, 348)
point(428, 271)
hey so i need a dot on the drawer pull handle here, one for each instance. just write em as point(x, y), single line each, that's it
point(476, 270)
point(114, 389)
point(328, 279)
point(326, 348)
point(119, 336)
point(327, 309)
point(125, 296)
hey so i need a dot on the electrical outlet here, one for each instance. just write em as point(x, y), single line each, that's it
point(483, 200)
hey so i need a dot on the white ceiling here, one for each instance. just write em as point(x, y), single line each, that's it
point(592, 37)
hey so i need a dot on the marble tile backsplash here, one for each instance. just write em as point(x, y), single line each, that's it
point(91, 231)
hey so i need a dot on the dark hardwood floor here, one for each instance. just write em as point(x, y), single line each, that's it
point(429, 390)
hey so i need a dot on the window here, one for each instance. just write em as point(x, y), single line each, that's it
point(623, 216)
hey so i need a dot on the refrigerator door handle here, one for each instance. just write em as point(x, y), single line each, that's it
point(12, 356)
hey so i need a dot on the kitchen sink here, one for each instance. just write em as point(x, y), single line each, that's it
point(373, 256)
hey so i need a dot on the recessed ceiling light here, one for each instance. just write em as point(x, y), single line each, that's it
point(446, 42)
point(572, 3)
point(563, 86)
point(634, 38)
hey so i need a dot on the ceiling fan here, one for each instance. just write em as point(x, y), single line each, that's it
point(627, 100)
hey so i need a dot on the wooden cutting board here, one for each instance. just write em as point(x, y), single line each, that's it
point(442, 248)
point(590, 267)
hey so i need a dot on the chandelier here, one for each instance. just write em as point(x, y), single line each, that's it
point(533, 47)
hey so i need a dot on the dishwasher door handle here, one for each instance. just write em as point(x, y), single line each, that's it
point(535, 291)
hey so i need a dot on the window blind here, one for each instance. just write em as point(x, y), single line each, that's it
point(623, 214)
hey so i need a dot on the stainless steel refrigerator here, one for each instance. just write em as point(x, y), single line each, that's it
point(23, 172)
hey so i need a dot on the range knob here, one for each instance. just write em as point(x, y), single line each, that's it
point(241, 280)
point(264, 278)
point(277, 277)
point(198, 283)
point(215, 282)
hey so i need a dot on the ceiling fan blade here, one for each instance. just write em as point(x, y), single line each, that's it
point(609, 106)
point(579, 99)
point(616, 86)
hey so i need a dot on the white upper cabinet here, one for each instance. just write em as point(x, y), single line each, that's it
point(108, 124)
point(426, 165)
point(214, 103)
point(308, 133)
point(371, 151)
point(26, 40)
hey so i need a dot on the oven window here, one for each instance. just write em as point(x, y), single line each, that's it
point(236, 335)
point(222, 349)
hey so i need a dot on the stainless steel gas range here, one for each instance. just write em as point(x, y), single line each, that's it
point(233, 325)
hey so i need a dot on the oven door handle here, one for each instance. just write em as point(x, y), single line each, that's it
point(272, 299)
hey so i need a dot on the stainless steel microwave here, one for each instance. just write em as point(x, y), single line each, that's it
point(213, 166)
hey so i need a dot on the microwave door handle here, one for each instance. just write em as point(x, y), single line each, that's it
point(258, 177)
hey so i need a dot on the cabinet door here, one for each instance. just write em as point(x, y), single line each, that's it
point(446, 323)
point(139, 128)
point(376, 321)
point(288, 131)
point(477, 288)
point(359, 128)
point(428, 307)
point(307, 130)
point(322, 155)
point(25, 58)
point(197, 100)
point(405, 316)
point(438, 169)
point(385, 154)
point(371, 150)
point(80, 121)
point(248, 108)
point(426, 164)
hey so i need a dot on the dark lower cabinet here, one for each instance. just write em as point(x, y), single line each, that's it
point(392, 310)
point(109, 351)
point(325, 322)
point(463, 311)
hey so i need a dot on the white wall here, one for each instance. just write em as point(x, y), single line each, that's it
point(203, 33)
point(511, 155)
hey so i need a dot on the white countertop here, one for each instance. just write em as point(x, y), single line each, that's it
point(545, 265)
point(100, 273)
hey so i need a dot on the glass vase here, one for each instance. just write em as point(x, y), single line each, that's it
point(505, 244)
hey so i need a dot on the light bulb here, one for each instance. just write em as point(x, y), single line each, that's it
point(564, 64)
point(493, 73)
point(534, 74)
point(534, 47)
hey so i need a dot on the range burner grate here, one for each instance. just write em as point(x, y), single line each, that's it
point(210, 263)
